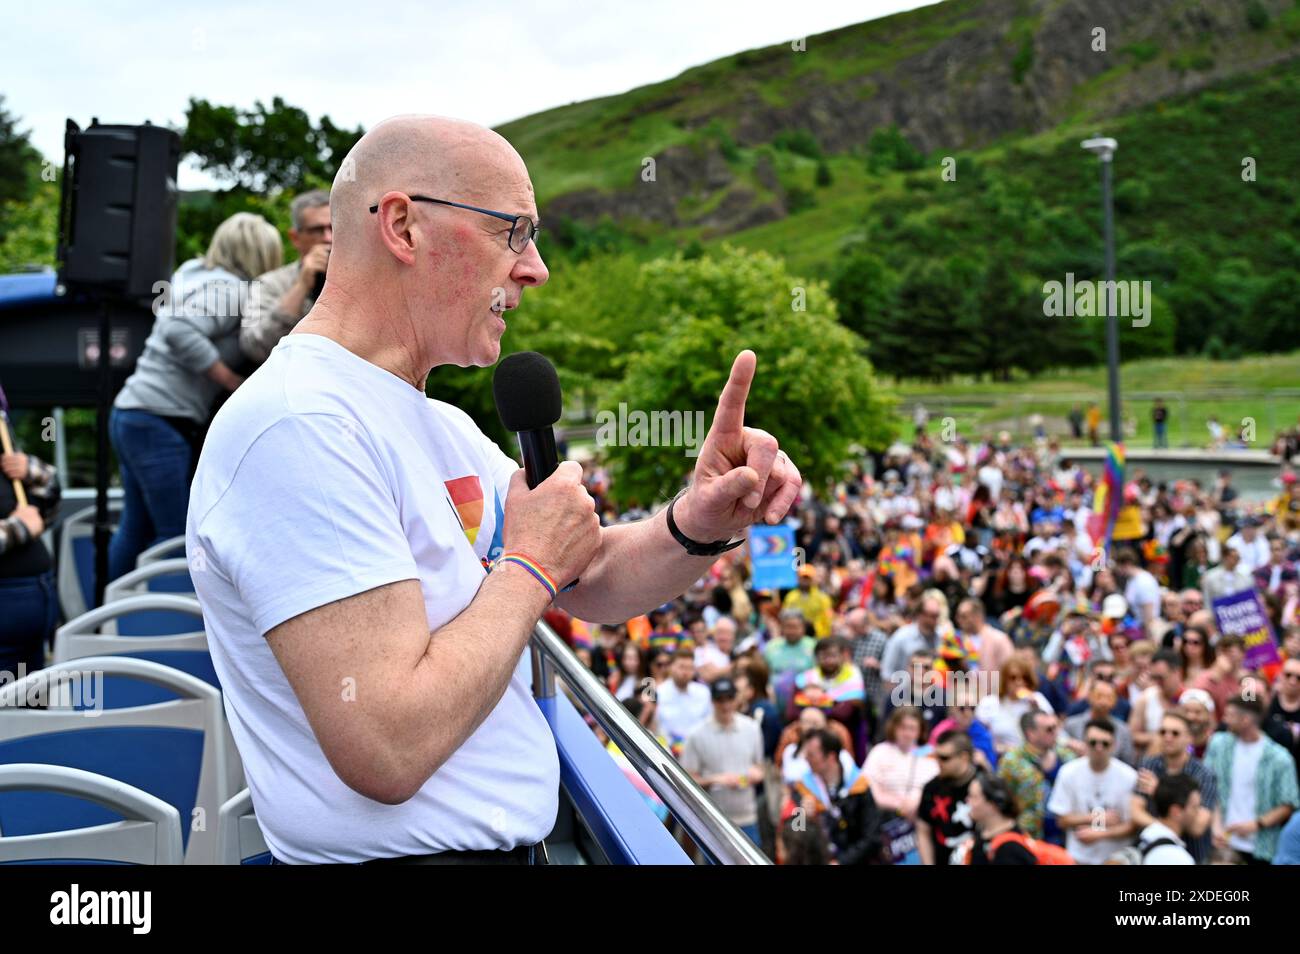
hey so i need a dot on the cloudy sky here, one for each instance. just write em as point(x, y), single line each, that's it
point(485, 60)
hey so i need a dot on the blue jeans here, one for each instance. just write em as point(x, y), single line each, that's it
point(751, 831)
point(31, 611)
point(1162, 431)
point(154, 460)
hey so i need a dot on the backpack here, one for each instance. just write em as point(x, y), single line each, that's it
point(1150, 846)
point(1045, 853)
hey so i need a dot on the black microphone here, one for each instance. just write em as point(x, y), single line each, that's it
point(527, 394)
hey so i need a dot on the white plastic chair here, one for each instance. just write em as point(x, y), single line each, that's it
point(131, 744)
point(241, 837)
point(160, 576)
point(149, 834)
point(162, 550)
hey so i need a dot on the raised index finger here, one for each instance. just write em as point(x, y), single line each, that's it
point(730, 417)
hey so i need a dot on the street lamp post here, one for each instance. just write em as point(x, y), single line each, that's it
point(1104, 149)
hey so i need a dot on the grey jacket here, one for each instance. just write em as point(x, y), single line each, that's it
point(196, 324)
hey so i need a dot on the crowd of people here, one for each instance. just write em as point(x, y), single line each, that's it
point(962, 674)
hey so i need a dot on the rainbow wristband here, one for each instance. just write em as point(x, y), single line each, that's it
point(532, 567)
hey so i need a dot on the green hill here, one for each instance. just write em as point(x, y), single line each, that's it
point(928, 165)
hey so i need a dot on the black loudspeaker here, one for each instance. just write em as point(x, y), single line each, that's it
point(117, 217)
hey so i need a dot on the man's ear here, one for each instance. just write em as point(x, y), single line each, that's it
point(396, 227)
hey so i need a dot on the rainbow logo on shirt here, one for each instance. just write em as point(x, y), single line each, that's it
point(467, 497)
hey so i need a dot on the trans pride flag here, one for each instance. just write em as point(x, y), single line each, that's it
point(845, 686)
point(1106, 502)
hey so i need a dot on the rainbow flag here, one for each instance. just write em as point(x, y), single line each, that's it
point(466, 495)
point(845, 686)
point(1106, 502)
point(956, 654)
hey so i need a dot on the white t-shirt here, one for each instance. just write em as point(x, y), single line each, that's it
point(710, 655)
point(1175, 854)
point(1143, 591)
point(322, 477)
point(681, 711)
point(991, 477)
point(1080, 790)
point(1002, 716)
point(1254, 553)
point(1242, 794)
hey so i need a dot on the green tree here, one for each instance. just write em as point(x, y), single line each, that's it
point(814, 389)
point(20, 167)
point(888, 149)
point(865, 291)
point(31, 230)
point(265, 148)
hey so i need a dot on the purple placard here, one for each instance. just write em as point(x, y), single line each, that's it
point(1244, 614)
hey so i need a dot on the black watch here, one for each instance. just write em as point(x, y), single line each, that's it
point(693, 547)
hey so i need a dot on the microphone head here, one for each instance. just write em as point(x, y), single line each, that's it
point(527, 392)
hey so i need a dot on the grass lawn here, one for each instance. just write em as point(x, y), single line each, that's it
point(1264, 388)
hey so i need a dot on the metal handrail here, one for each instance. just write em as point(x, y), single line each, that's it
point(720, 840)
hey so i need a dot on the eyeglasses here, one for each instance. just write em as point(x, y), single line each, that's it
point(522, 229)
point(1099, 743)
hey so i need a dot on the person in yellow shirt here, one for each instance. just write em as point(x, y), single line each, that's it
point(1094, 424)
point(812, 602)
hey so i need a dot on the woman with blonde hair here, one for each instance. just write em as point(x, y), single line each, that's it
point(160, 415)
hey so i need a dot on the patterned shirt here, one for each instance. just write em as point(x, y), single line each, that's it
point(871, 646)
point(1275, 783)
point(40, 483)
point(1021, 771)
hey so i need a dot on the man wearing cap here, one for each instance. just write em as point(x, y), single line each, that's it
point(725, 755)
point(811, 601)
point(1256, 780)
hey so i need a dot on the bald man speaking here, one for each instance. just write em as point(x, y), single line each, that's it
point(375, 677)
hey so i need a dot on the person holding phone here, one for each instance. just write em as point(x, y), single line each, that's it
point(284, 295)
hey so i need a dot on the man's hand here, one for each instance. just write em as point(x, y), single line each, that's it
point(1146, 783)
point(555, 523)
point(741, 476)
point(313, 264)
point(31, 518)
point(14, 466)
